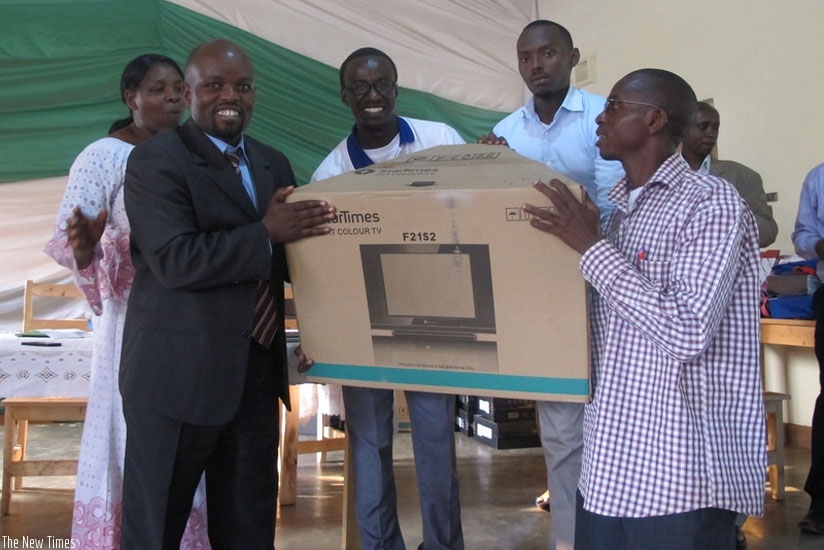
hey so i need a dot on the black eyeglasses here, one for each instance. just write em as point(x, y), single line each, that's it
point(383, 87)
point(612, 104)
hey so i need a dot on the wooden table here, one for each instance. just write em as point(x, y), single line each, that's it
point(58, 376)
point(788, 332)
point(782, 332)
point(37, 371)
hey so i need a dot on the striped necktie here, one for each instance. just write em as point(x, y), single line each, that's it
point(264, 325)
point(233, 158)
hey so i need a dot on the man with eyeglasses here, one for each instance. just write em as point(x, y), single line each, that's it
point(557, 127)
point(368, 82)
point(674, 437)
point(696, 148)
point(368, 86)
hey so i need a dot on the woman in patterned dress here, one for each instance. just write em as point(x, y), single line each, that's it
point(91, 238)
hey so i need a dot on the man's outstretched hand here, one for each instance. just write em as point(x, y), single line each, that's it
point(574, 222)
point(492, 139)
point(291, 221)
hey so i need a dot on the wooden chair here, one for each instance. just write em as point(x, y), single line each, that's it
point(52, 290)
point(19, 411)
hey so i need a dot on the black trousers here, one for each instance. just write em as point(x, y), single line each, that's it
point(165, 459)
point(815, 479)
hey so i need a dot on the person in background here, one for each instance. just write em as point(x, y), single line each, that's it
point(808, 240)
point(674, 438)
point(204, 352)
point(91, 238)
point(369, 87)
point(699, 142)
point(557, 127)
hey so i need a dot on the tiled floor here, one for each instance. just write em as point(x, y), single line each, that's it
point(497, 491)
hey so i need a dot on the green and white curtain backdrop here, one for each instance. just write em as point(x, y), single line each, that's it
point(60, 64)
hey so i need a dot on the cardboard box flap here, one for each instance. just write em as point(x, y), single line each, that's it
point(453, 167)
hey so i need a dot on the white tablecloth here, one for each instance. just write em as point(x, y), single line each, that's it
point(33, 371)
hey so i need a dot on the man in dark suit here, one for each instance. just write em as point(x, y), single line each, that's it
point(699, 142)
point(201, 371)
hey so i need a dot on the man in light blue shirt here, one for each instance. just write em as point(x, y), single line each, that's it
point(808, 235)
point(808, 240)
point(557, 127)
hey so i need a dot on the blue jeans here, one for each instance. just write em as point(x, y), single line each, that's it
point(370, 431)
point(703, 529)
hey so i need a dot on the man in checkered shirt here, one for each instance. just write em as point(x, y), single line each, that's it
point(674, 442)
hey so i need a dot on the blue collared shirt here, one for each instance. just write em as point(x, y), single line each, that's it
point(567, 144)
point(245, 174)
point(809, 222)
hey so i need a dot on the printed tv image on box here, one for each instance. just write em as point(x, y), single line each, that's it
point(431, 305)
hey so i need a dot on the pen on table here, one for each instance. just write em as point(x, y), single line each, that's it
point(41, 343)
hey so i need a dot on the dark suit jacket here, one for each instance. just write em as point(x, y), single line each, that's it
point(199, 250)
point(749, 185)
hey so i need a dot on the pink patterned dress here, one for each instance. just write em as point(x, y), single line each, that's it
point(96, 183)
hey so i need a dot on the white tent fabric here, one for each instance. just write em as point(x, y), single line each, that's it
point(463, 51)
point(29, 212)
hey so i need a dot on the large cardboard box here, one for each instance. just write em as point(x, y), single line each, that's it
point(433, 279)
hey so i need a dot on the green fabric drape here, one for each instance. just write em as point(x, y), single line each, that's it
point(60, 64)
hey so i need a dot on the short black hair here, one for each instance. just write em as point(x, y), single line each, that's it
point(672, 93)
point(365, 52)
point(565, 35)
